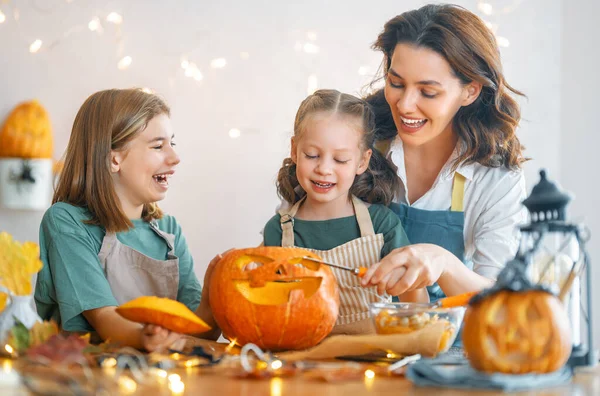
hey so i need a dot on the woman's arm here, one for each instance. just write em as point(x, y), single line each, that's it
point(416, 266)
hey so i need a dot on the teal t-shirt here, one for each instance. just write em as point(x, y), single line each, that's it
point(72, 280)
point(328, 234)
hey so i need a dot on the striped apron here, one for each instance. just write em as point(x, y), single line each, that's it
point(365, 251)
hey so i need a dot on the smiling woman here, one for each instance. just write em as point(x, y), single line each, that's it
point(447, 119)
point(105, 241)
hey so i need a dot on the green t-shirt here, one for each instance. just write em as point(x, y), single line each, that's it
point(72, 280)
point(328, 234)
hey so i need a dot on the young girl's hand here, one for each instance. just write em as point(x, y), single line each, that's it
point(407, 269)
point(156, 338)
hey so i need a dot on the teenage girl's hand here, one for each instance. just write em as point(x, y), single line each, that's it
point(407, 269)
point(157, 338)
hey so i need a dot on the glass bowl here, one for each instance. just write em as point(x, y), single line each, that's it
point(403, 318)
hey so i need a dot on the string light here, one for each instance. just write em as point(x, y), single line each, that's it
point(276, 364)
point(127, 385)
point(230, 346)
point(486, 8)
point(234, 133)
point(175, 384)
point(94, 25)
point(9, 349)
point(369, 374)
point(109, 362)
point(218, 63)
point(124, 63)
point(363, 70)
point(276, 386)
point(115, 18)
point(2, 17)
point(311, 48)
point(313, 84)
point(35, 46)
point(174, 377)
point(177, 387)
point(502, 41)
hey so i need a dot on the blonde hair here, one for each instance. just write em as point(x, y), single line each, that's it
point(106, 121)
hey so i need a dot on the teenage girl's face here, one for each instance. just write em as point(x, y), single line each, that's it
point(424, 94)
point(328, 156)
point(142, 171)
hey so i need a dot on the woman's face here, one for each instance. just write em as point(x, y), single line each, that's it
point(142, 171)
point(424, 94)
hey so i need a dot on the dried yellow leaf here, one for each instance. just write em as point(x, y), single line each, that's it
point(18, 263)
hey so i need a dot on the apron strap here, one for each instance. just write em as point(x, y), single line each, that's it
point(458, 193)
point(287, 223)
point(363, 217)
point(168, 238)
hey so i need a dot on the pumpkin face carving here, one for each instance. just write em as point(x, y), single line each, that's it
point(517, 332)
point(272, 297)
point(27, 132)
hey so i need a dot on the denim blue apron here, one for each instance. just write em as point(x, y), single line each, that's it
point(440, 227)
point(444, 228)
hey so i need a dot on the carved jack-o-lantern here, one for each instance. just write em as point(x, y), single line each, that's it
point(272, 297)
point(27, 132)
point(516, 328)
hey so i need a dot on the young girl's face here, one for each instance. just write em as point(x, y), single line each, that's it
point(328, 156)
point(141, 172)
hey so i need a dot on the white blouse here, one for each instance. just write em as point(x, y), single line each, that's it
point(492, 207)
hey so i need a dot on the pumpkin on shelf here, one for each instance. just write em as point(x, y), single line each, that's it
point(27, 132)
point(170, 314)
point(274, 298)
point(516, 327)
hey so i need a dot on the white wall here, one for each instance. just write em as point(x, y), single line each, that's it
point(224, 190)
point(579, 140)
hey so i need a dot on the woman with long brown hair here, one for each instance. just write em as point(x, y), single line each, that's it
point(447, 119)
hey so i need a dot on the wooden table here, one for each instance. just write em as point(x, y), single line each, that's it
point(586, 382)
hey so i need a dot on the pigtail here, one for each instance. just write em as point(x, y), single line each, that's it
point(287, 182)
point(379, 183)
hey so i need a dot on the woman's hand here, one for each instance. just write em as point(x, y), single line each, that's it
point(157, 338)
point(408, 268)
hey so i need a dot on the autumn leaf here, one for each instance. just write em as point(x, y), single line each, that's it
point(18, 263)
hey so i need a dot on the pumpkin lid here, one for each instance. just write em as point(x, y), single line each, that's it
point(170, 314)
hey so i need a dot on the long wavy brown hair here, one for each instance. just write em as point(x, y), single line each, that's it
point(488, 125)
point(377, 184)
point(106, 121)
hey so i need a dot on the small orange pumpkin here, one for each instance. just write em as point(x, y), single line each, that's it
point(170, 314)
point(27, 132)
point(272, 297)
point(516, 329)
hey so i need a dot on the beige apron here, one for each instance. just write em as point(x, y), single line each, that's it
point(132, 274)
point(361, 252)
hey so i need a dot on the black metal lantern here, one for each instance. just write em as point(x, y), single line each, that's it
point(554, 251)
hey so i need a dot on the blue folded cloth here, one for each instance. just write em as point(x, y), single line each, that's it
point(424, 373)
